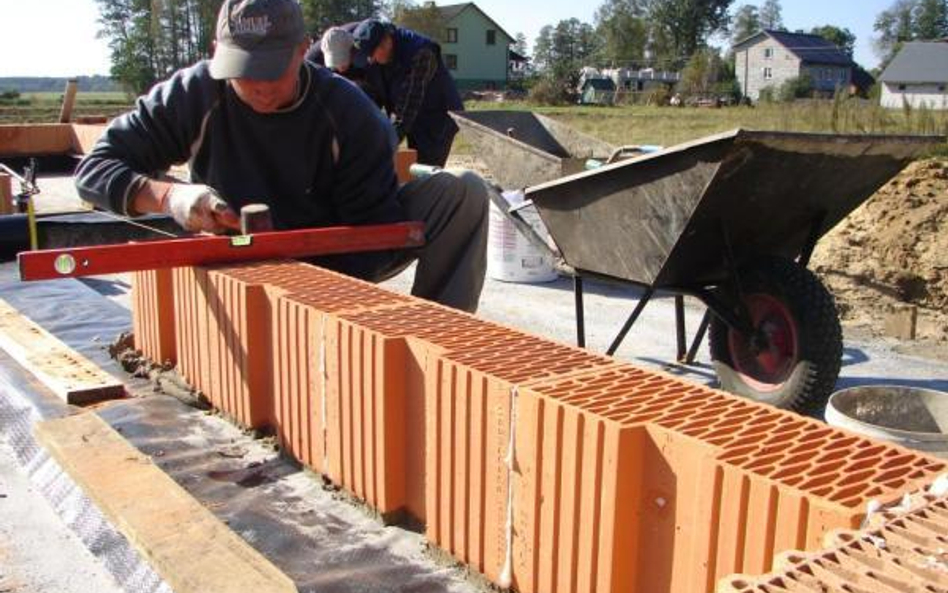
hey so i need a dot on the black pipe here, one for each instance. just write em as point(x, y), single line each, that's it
point(14, 236)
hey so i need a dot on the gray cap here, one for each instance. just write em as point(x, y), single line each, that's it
point(256, 38)
point(336, 45)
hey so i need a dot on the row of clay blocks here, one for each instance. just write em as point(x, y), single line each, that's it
point(542, 466)
point(904, 551)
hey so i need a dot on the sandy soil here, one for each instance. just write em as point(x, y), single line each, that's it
point(891, 254)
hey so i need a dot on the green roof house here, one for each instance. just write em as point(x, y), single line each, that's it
point(475, 48)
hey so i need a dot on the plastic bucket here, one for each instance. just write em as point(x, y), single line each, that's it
point(511, 257)
point(909, 416)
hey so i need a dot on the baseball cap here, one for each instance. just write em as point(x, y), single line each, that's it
point(368, 35)
point(256, 38)
point(336, 45)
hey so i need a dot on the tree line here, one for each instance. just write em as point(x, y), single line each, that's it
point(150, 39)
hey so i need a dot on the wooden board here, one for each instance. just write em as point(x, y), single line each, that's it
point(185, 544)
point(68, 374)
point(35, 139)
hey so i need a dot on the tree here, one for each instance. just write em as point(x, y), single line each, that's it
point(842, 38)
point(622, 28)
point(520, 44)
point(425, 19)
point(771, 15)
point(701, 75)
point(909, 20)
point(150, 39)
point(746, 23)
point(930, 19)
point(322, 14)
point(681, 27)
point(560, 51)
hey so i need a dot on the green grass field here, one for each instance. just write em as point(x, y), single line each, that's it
point(629, 124)
point(45, 107)
point(639, 124)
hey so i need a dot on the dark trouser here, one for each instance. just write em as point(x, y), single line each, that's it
point(451, 265)
point(432, 136)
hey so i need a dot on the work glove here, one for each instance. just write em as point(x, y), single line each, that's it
point(199, 208)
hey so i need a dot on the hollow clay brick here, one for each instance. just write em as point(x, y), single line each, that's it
point(905, 553)
point(153, 322)
point(223, 342)
point(726, 484)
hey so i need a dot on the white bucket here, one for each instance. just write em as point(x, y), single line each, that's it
point(511, 257)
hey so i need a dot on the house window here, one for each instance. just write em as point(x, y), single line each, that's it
point(941, 88)
point(451, 36)
point(451, 61)
point(768, 73)
point(491, 37)
point(901, 87)
point(768, 52)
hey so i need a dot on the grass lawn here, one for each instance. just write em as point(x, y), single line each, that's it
point(639, 124)
point(44, 107)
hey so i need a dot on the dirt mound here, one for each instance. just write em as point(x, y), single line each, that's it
point(891, 254)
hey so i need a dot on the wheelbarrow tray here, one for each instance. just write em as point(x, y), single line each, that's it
point(522, 148)
point(683, 217)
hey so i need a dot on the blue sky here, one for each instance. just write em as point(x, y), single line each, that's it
point(58, 37)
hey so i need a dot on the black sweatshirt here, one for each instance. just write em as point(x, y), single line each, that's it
point(327, 159)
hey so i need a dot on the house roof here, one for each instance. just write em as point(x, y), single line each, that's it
point(600, 84)
point(919, 61)
point(811, 49)
point(450, 11)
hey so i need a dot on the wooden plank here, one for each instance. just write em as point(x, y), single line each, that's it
point(68, 374)
point(48, 264)
point(185, 544)
point(35, 139)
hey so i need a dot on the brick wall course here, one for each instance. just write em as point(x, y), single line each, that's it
point(543, 466)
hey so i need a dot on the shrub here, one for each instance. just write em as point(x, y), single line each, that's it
point(9, 95)
point(798, 87)
point(551, 91)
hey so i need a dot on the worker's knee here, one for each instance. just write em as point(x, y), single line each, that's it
point(471, 193)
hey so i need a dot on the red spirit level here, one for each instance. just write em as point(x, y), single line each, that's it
point(197, 251)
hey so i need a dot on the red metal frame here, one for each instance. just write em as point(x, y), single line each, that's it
point(196, 251)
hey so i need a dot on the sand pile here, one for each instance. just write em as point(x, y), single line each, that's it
point(892, 253)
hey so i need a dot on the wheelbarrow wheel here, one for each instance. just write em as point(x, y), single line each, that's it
point(792, 360)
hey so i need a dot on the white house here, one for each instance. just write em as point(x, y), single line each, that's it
point(917, 76)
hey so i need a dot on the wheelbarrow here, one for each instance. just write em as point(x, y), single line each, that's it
point(731, 219)
point(522, 148)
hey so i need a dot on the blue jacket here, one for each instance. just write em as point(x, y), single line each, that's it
point(441, 95)
point(325, 160)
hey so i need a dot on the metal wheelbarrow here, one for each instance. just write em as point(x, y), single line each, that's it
point(731, 219)
point(522, 148)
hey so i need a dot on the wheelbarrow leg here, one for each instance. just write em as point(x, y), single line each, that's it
point(580, 320)
point(812, 237)
point(680, 327)
point(699, 337)
point(646, 297)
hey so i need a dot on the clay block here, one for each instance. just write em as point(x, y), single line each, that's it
point(904, 554)
point(153, 322)
point(223, 342)
point(365, 415)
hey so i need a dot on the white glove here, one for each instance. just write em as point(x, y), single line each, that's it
point(199, 208)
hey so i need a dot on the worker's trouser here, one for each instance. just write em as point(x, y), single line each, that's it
point(451, 265)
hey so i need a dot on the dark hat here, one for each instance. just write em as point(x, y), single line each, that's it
point(256, 38)
point(369, 34)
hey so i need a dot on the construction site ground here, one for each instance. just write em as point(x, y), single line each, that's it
point(319, 538)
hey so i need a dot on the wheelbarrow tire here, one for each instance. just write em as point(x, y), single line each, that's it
point(803, 380)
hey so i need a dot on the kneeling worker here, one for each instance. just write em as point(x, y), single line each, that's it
point(259, 124)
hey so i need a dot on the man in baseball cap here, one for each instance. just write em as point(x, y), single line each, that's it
point(256, 38)
point(259, 124)
point(419, 91)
